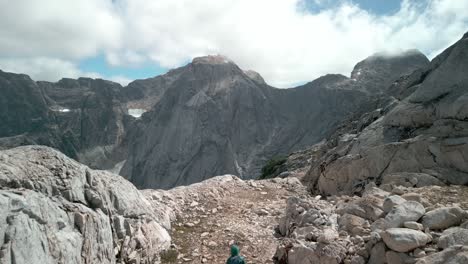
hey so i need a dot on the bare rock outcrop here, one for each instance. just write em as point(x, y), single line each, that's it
point(55, 210)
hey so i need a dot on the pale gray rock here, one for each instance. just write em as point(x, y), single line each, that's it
point(350, 223)
point(411, 179)
point(453, 236)
point(403, 239)
point(442, 218)
point(417, 198)
point(407, 211)
point(413, 225)
point(55, 210)
point(327, 236)
point(392, 201)
point(365, 207)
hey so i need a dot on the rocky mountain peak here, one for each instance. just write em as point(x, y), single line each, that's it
point(211, 59)
point(382, 68)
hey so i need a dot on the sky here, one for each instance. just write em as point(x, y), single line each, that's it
point(288, 42)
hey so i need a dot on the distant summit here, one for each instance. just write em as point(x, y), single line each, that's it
point(379, 68)
point(212, 59)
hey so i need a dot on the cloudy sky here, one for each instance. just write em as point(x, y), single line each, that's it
point(288, 42)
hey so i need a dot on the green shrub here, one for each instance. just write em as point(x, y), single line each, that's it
point(273, 167)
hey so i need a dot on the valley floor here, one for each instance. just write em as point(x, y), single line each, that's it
point(213, 216)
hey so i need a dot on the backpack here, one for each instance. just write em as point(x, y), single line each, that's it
point(235, 260)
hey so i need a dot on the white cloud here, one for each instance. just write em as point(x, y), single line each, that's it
point(44, 69)
point(277, 38)
point(50, 69)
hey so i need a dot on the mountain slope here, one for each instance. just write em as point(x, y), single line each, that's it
point(420, 139)
point(216, 119)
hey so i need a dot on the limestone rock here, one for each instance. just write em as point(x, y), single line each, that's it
point(349, 223)
point(442, 218)
point(403, 239)
point(407, 211)
point(413, 225)
point(453, 236)
point(392, 201)
point(55, 210)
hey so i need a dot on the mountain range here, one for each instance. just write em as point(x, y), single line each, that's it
point(207, 118)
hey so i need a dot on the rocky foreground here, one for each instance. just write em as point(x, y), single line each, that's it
point(403, 225)
point(55, 210)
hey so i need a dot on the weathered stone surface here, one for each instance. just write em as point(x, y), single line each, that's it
point(366, 207)
point(407, 211)
point(350, 223)
point(442, 218)
point(413, 225)
point(55, 210)
point(403, 239)
point(392, 201)
point(377, 254)
point(453, 236)
point(411, 179)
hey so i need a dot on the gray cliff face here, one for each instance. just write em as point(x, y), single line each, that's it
point(82, 118)
point(420, 137)
point(55, 210)
point(218, 119)
point(22, 106)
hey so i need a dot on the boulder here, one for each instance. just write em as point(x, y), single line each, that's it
point(417, 198)
point(407, 211)
point(377, 254)
point(453, 236)
point(369, 208)
point(349, 223)
point(391, 201)
point(442, 218)
point(403, 239)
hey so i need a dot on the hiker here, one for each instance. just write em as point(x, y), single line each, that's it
point(235, 258)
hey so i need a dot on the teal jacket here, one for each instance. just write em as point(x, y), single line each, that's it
point(235, 258)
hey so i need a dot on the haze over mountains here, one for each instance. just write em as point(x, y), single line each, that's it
point(207, 118)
